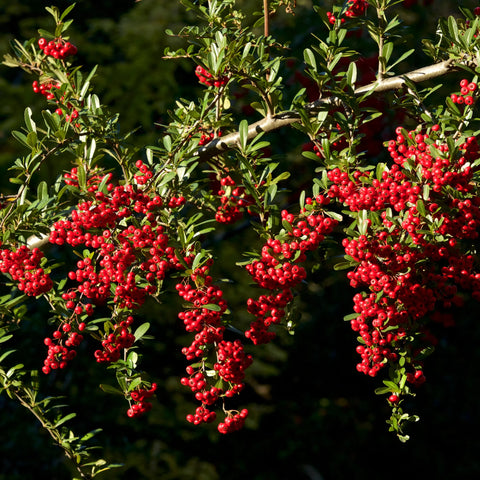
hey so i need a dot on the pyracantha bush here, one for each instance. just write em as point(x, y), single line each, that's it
point(399, 204)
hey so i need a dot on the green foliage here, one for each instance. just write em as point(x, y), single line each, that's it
point(100, 235)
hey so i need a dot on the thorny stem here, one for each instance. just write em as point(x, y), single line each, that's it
point(279, 120)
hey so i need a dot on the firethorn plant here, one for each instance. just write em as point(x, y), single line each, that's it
point(403, 208)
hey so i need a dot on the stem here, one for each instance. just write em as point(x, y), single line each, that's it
point(266, 32)
point(266, 19)
point(57, 438)
point(381, 43)
point(279, 120)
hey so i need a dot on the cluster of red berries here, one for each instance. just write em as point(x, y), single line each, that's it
point(467, 92)
point(145, 173)
point(45, 89)
point(141, 405)
point(410, 259)
point(207, 137)
point(116, 342)
point(355, 8)
point(206, 78)
point(278, 268)
point(202, 415)
point(122, 250)
point(233, 201)
point(234, 421)
point(93, 181)
point(60, 349)
point(204, 318)
point(129, 256)
point(57, 48)
point(23, 265)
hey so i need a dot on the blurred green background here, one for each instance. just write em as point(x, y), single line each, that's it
point(312, 416)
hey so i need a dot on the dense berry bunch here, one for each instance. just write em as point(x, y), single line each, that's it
point(233, 422)
point(467, 93)
point(23, 266)
point(139, 397)
point(278, 269)
point(45, 89)
point(411, 260)
point(207, 137)
point(206, 78)
point(355, 8)
point(233, 201)
point(210, 380)
point(115, 343)
point(127, 260)
point(61, 348)
point(57, 48)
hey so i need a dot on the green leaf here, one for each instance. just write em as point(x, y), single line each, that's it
point(343, 265)
point(352, 74)
point(5, 338)
point(309, 58)
point(12, 370)
point(453, 27)
point(243, 134)
point(387, 51)
point(31, 127)
point(65, 419)
point(110, 389)
point(42, 191)
point(67, 11)
point(52, 121)
point(91, 434)
point(82, 177)
point(21, 137)
point(401, 59)
point(282, 176)
point(382, 390)
point(141, 331)
point(212, 306)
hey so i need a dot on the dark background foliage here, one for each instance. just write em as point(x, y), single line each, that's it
point(312, 416)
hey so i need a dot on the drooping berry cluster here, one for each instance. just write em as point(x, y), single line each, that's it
point(139, 397)
point(410, 259)
point(61, 347)
point(223, 376)
point(234, 422)
point(116, 342)
point(467, 93)
point(93, 181)
point(126, 255)
point(57, 48)
point(233, 201)
point(207, 137)
point(206, 78)
point(355, 8)
point(278, 269)
point(45, 89)
point(23, 266)
point(145, 173)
